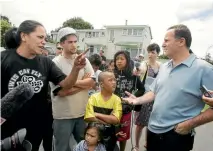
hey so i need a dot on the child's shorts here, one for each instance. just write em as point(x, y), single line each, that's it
point(125, 126)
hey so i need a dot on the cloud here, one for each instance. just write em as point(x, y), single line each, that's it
point(198, 16)
point(194, 10)
point(159, 15)
point(201, 34)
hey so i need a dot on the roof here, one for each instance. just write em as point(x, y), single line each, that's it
point(129, 44)
point(125, 26)
point(90, 30)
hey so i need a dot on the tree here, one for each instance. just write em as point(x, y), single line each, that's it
point(5, 18)
point(163, 57)
point(77, 23)
point(208, 58)
point(5, 25)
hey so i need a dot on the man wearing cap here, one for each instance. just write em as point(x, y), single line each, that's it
point(69, 106)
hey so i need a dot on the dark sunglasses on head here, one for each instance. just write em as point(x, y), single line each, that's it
point(59, 48)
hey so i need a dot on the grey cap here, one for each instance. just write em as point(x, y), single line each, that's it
point(64, 32)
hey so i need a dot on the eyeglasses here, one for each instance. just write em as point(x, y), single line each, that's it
point(59, 48)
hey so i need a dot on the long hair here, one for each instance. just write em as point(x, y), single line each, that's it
point(13, 36)
point(128, 68)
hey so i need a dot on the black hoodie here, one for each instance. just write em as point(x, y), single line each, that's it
point(126, 81)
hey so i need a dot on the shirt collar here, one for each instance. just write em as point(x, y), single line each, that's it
point(188, 62)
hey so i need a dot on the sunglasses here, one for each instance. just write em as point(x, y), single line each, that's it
point(59, 48)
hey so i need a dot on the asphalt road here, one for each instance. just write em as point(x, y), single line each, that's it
point(203, 139)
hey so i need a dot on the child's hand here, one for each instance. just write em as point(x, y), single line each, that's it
point(121, 134)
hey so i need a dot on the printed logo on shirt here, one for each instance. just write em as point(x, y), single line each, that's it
point(123, 85)
point(26, 76)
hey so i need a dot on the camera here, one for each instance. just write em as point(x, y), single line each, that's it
point(16, 142)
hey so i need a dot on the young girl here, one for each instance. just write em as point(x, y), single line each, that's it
point(126, 81)
point(93, 138)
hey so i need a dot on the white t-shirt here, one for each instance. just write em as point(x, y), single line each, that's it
point(72, 106)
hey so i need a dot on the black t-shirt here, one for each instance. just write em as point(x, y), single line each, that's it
point(38, 72)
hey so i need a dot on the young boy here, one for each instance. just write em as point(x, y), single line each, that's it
point(105, 107)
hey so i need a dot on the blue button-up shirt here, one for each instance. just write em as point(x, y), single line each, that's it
point(177, 93)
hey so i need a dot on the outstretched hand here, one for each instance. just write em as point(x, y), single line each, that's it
point(131, 99)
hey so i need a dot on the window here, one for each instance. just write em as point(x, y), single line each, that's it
point(102, 34)
point(129, 31)
point(88, 35)
point(135, 32)
point(93, 34)
point(140, 31)
point(96, 34)
point(111, 38)
point(124, 32)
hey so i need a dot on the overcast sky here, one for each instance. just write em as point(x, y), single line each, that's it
point(158, 14)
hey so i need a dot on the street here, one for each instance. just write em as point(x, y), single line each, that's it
point(203, 139)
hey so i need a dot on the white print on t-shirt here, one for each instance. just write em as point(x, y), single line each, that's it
point(26, 76)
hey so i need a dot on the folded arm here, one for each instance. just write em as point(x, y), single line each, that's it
point(67, 92)
point(85, 83)
point(94, 119)
point(109, 119)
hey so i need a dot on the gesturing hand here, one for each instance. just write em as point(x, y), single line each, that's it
point(131, 99)
point(80, 61)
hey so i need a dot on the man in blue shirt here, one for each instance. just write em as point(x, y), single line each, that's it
point(176, 91)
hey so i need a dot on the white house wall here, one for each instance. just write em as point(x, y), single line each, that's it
point(119, 37)
point(110, 49)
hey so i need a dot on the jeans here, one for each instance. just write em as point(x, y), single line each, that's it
point(63, 130)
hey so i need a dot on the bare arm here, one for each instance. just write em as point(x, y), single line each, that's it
point(68, 92)
point(85, 83)
point(71, 79)
point(203, 118)
point(109, 119)
point(146, 98)
point(186, 126)
point(94, 119)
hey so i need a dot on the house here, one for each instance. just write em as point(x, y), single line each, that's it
point(133, 38)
